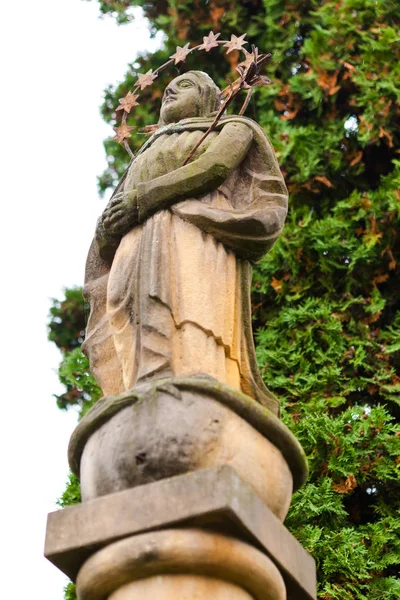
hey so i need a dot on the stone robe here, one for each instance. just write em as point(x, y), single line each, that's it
point(176, 298)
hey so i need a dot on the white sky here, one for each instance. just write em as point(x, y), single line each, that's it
point(56, 59)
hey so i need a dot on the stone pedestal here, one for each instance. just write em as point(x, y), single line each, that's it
point(185, 485)
point(180, 538)
point(177, 425)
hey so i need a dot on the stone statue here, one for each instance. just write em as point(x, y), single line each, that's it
point(186, 471)
point(168, 275)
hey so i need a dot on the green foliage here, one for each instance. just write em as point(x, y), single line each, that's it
point(82, 389)
point(67, 320)
point(72, 493)
point(67, 329)
point(326, 299)
point(70, 592)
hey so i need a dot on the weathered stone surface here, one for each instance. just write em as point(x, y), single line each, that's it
point(213, 498)
point(180, 587)
point(168, 275)
point(176, 425)
point(170, 433)
point(190, 552)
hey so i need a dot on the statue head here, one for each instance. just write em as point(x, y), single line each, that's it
point(193, 94)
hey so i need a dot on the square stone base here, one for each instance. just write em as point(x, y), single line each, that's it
point(214, 499)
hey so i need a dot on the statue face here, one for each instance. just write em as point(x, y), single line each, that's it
point(181, 100)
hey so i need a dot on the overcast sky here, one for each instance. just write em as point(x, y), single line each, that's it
point(57, 56)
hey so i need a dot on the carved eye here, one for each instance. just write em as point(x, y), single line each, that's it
point(185, 83)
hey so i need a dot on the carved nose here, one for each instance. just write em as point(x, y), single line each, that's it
point(168, 93)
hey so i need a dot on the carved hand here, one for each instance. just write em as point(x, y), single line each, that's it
point(118, 218)
point(121, 214)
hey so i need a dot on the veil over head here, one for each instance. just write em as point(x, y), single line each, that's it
point(210, 93)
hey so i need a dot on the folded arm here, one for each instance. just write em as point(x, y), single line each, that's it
point(198, 177)
point(249, 232)
point(255, 223)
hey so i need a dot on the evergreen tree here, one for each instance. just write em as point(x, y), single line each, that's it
point(325, 299)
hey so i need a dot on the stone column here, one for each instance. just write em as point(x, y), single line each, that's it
point(185, 486)
point(180, 563)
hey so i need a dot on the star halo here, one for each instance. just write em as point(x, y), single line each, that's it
point(249, 71)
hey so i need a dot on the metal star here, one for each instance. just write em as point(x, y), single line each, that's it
point(128, 102)
point(146, 79)
point(249, 58)
point(181, 53)
point(210, 41)
point(250, 68)
point(149, 129)
point(123, 132)
point(235, 43)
